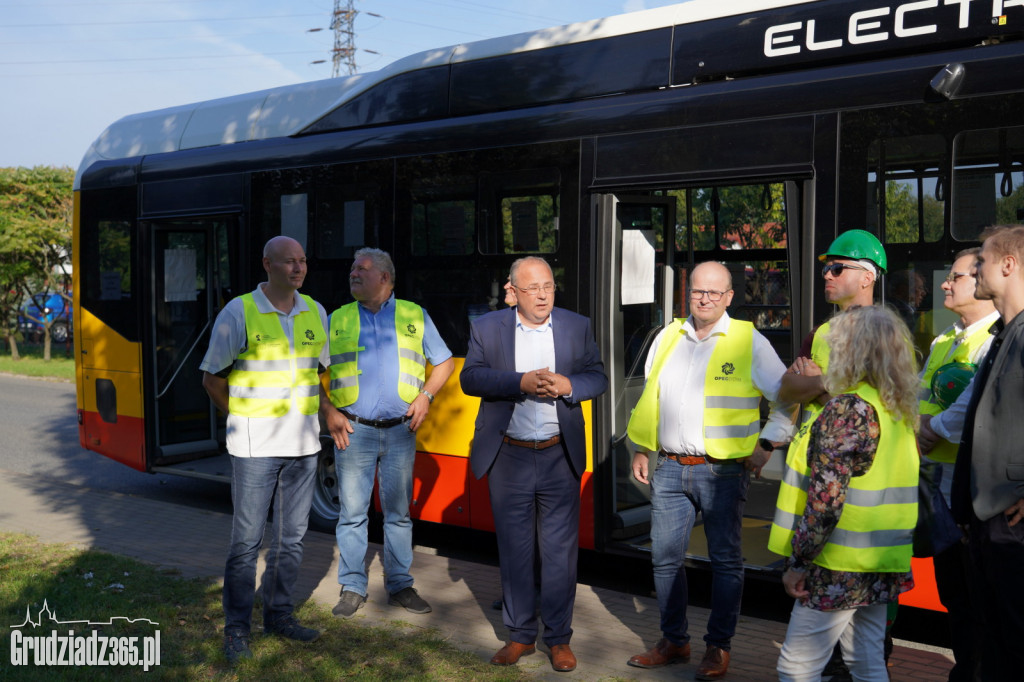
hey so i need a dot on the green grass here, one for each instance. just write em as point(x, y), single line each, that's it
point(61, 365)
point(76, 586)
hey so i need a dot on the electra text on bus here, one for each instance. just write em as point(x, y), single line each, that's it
point(901, 21)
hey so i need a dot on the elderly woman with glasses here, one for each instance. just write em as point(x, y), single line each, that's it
point(847, 509)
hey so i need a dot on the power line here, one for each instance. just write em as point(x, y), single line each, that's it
point(157, 21)
point(155, 59)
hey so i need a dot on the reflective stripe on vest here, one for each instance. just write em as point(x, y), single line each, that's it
point(732, 418)
point(875, 529)
point(731, 408)
point(944, 353)
point(345, 349)
point(273, 371)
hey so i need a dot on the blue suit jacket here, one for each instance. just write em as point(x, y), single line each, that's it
point(490, 373)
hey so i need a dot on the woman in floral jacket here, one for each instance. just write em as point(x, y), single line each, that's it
point(862, 461)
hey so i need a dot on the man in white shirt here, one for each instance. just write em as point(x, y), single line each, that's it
point(968, 340)
point(706, 449)
point(267, 349)
point(971, 341)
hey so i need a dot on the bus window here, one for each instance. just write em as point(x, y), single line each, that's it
point(114, 242)
point(443, 218)
point(746, 227)
point(915, 294)
point(644, 223)
point(988, 180)
point(912, 204)
point(346, 218)
point(295, 217)
point(108, 242)
point(528, 209)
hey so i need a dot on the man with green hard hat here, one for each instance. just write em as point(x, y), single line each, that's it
point(852, 264)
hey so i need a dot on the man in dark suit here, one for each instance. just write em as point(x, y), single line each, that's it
point(533, 365)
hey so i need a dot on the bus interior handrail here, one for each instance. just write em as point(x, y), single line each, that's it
point(170, 382)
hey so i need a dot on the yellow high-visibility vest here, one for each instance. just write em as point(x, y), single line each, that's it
point(876, 527)
point(732, 418)
point(345, 348)
point(944, 353)
point(274, 371)
point(810, 411)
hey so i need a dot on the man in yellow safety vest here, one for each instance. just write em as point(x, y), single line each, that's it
point(967, 341)
point(379, 395)
point(267, 349)
point(699, 414)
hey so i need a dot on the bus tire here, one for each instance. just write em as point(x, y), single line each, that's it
point(323, 512)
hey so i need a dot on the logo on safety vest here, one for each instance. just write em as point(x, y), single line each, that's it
point(411, 328)
point(310, 335)
point(728, 369)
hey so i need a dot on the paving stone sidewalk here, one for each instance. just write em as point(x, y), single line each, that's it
point(609, 626)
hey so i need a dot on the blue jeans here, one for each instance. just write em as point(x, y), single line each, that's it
point(390, 454)
point(255, 481)
point(678, 492)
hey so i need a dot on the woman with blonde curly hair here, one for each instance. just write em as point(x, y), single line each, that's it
point(852, 505)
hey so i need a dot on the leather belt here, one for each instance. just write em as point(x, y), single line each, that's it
point(691, 459)
point(377, 423)
point(534, 444)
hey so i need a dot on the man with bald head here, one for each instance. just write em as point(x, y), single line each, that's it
point(705, 451)
point(267, 350)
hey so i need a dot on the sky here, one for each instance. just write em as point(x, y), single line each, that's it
point(70, 68)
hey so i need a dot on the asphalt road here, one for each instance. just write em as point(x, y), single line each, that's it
point(39, 436)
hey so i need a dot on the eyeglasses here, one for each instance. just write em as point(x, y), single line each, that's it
point(534, 290)
point(952, 277)
point(837, 268)
point(713, 296)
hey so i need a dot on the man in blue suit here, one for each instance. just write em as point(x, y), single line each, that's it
point(533, 365)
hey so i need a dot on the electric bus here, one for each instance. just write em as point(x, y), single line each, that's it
point(623, 150)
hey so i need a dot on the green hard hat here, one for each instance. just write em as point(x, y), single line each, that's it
point(949, 381)
point(858, 244)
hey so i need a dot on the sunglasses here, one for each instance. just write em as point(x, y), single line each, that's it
point(837, 268)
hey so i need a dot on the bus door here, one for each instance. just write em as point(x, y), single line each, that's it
point(191, 280)
point(634, 293)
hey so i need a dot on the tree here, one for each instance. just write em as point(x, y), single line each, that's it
point(35, 236)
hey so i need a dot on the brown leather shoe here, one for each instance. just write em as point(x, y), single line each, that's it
point(563, 659)
point(663, 653)
point(715, 664)
point(511, 653)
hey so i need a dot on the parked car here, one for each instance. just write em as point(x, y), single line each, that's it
point(50, 307)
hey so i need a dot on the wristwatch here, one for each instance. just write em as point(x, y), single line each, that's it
point(766, 444)
point(430, 396)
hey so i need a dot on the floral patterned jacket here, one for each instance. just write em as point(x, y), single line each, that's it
point(842, 444)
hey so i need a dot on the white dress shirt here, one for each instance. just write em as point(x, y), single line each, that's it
point(534, 418)
point(681, 388)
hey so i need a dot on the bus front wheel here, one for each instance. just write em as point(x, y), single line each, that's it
point(323, 513)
